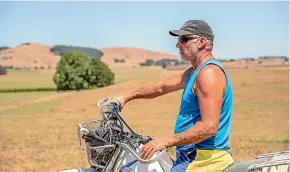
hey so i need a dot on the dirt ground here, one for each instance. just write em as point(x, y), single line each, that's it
point(40, 135)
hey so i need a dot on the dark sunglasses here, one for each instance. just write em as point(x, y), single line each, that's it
point(185, 39)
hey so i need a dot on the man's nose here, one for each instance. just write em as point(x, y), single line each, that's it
point(178, 44)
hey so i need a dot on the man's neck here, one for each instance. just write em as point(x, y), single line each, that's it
point(201, 59)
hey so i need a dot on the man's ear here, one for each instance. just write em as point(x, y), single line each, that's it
point(201, 43)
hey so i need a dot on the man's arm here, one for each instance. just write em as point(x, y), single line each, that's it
point(210, 86)
point(163, 87)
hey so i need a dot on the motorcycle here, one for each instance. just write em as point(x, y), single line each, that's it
point(112, 146)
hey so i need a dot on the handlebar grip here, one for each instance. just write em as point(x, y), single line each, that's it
point(103, 102)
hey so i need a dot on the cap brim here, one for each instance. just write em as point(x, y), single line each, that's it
point(179, 33)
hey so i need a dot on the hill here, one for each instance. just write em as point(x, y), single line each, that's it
point(39, 56)
point(3, 48)
point(30, 56)
point(132, 56)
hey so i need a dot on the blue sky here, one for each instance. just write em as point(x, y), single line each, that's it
point(242, 29)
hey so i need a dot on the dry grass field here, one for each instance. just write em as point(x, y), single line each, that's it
point(38, 130)
point(26, 79)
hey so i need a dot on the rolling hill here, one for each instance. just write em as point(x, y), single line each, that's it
point(30, 56)
point(39, 56)
point(132, 56)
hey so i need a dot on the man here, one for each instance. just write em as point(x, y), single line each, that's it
point(203, 124)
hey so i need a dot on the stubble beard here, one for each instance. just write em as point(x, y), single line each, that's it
point(193, 54)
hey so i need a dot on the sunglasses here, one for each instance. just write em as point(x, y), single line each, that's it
point(185, 39)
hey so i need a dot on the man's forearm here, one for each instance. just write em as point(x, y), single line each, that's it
point(199, 132)
point(147, 92)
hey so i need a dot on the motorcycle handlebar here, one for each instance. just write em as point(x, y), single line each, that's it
point(104, 101)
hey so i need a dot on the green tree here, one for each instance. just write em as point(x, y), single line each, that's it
point(77, 71)
point(122, 60)
point(116, 60)
point(3, 70)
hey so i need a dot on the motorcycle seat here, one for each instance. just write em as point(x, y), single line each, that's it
point(243, 166)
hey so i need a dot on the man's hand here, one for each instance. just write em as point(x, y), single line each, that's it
point(148, 150)
point(121, 100)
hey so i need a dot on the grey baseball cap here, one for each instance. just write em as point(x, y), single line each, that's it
point(196, 27)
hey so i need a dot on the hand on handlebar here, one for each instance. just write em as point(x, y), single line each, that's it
point(148, 150)
point(121, 100)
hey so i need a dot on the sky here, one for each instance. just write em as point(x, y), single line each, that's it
point(241, 29)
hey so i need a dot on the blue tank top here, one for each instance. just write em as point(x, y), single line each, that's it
point(189, 112)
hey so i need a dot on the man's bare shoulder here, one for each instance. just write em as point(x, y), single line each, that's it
point(210, 78)
point(211, 70)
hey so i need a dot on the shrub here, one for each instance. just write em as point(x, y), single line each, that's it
point(116, 60)
point(77, 71)
point(148, 62)
point(3, 70)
